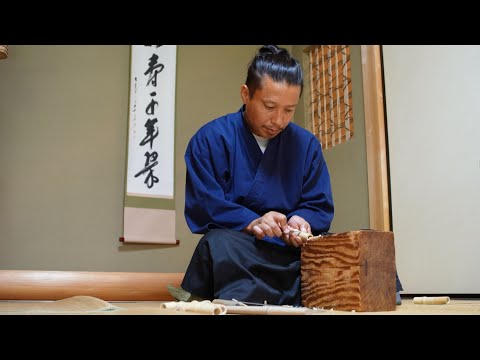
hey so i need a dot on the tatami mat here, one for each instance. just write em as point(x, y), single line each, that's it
point(87, 305)
point(82, 305)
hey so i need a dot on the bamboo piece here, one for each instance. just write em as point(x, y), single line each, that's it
point(239, 307)
point(108, 286)
point(204, 307)
point(431, 300)
point(305, 236)
point(266, 310)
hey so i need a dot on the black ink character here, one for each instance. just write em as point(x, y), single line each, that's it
point(150, 163)
point(153, 70)
point(150, 110)
point(152, 132)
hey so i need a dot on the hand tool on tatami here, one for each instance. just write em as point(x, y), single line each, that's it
point(249, 308)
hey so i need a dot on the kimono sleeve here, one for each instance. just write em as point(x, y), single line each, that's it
point(205, 204)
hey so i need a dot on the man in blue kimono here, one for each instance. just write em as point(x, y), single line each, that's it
point(253, 177)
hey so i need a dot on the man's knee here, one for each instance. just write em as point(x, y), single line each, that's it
point(215, 236)
point(223, 241)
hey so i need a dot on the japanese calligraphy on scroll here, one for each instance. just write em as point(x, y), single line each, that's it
point(150, 170)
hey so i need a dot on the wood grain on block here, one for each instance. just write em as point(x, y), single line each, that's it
point(353, 270)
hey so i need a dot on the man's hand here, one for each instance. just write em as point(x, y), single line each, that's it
point(295, 223)
point(275, 224)
point(271, 224)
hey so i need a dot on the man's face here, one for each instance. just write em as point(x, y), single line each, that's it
point(271, 108)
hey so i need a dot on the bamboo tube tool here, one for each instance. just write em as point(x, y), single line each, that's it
point(431, 300)
point(305, 236)
point(248, 308)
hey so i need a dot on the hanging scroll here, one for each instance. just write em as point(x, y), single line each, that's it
point(151, 121)
point(149, 214)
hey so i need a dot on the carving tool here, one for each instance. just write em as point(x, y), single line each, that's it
point(250, 308)
point(305, 236)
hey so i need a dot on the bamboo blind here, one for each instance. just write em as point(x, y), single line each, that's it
point(330, 104)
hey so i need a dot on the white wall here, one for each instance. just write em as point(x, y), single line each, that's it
point(433, 117)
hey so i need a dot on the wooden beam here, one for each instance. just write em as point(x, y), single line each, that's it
point(379, 204)
point(108, 286)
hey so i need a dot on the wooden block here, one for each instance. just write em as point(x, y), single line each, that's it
point(353, 270)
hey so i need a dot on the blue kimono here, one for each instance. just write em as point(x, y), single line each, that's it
point(230, 183)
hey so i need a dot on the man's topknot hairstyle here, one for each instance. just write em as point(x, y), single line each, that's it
point(277, 63)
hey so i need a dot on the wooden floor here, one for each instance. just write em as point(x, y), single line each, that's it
point(454, 307)
point(95, 306)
